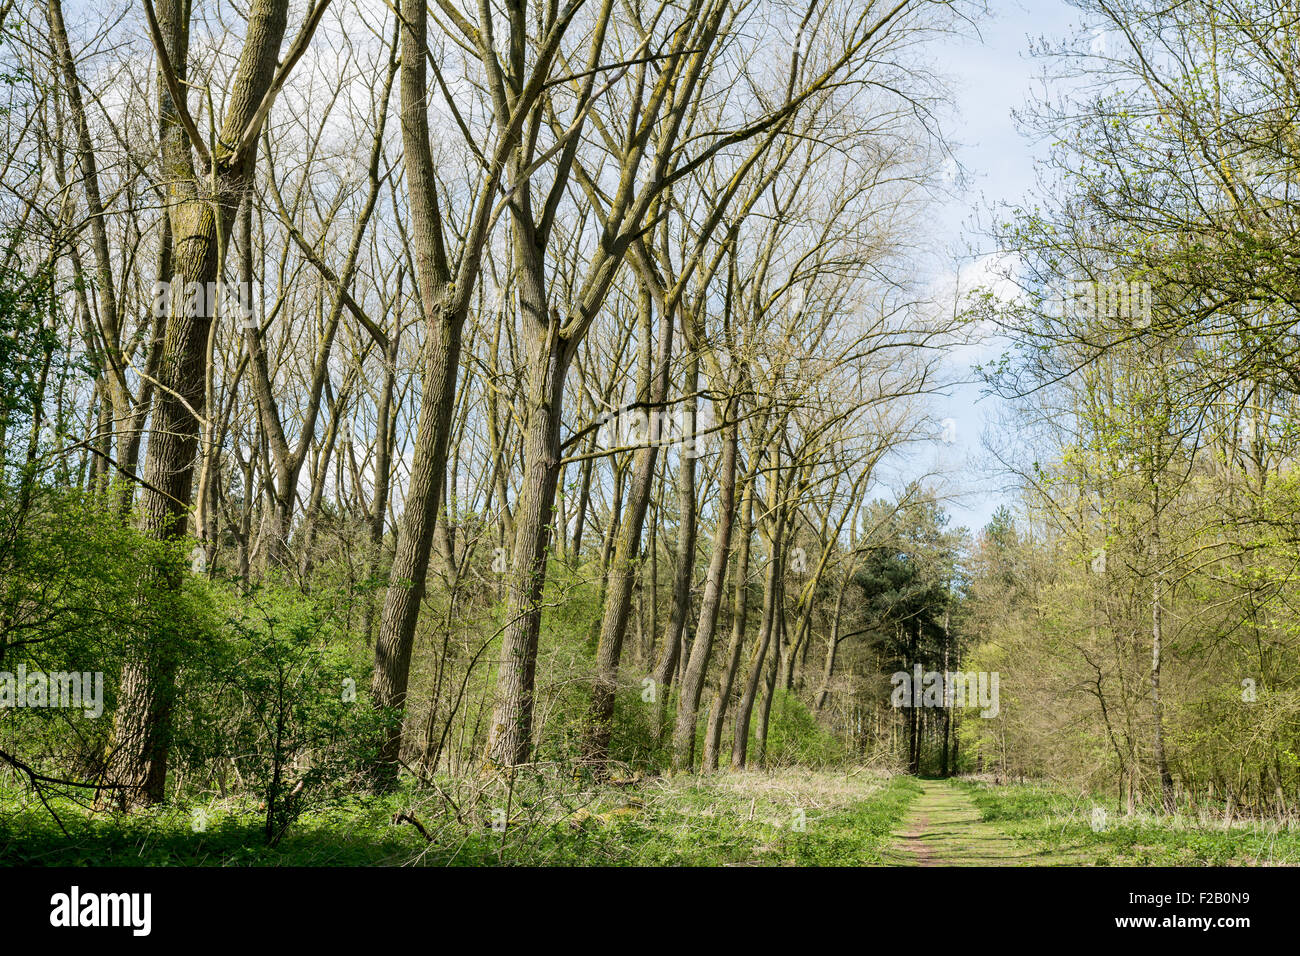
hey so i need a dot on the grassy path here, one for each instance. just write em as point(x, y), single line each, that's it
point(943, 828)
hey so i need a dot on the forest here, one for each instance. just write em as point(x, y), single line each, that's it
point(520, 433)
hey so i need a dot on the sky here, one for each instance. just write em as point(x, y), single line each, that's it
point(991, 76)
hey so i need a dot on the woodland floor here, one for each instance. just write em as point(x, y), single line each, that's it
point(788, 817)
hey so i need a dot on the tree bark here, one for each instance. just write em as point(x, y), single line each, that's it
point(510, 733)
point(201, 220)
point(622, 571)
point(688, 701)
point(739, 609)
point(745, 707)
point(444, 317)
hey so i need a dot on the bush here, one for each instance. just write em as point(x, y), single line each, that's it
point(77, 586)
point(795, 737)
point(277, 698)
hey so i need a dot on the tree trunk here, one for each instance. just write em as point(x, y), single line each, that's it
point(745, 707)
point(510, 732)
point(947, 709)
point(770, 683)
point(509, 739)
point(739, 608)
point(683, 576)
point(832, 644)
point(1157, 705)
point(201, 223)
point(688, 702)
point(444, 320)
point(622, 570)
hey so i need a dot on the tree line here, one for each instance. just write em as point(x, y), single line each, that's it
point(1141, 601)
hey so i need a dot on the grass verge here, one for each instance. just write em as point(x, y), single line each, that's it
point(1086, 830)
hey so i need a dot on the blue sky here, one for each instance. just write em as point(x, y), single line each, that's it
point(991, 76)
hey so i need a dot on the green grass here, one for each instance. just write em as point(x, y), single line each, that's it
point(787, 818)
point(798, 818)
point(859, 836)
point(1061, 823)
point(356, 834)
point(945, 828)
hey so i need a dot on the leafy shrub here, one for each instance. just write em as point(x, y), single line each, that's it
point(78, 584)
point(277, 697)
point(795, 737)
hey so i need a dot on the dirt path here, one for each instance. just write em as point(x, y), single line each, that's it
point(943, 828)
